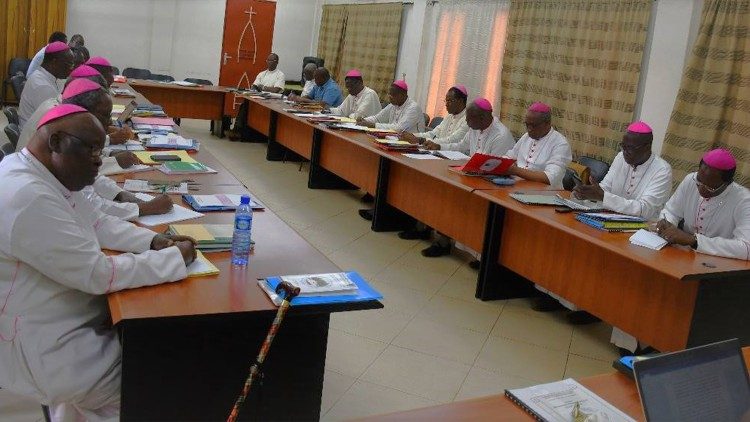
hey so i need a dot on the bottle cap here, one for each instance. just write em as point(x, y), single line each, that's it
point(245, 200)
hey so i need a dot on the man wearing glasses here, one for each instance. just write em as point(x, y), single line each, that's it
point(58, 346)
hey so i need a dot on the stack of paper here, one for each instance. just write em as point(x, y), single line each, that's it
point(137, 185)
point(172, 141)
point(185, 83)
point(364, 291)
point(159, 121)
point(129, 145)
point(218, 202)
point(178, 213)
point(451, 155)
point(116, 169)
point(201, 266)
point(648, 239)
point(420, 156)
point(122, 92)
point(145, 156)
point(612, 222)
point(209, 237)
point(184, 167)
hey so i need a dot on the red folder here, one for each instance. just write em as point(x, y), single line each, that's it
point(483, 164)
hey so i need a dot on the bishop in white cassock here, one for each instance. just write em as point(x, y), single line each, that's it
point(453, 128)
point(542, 154)
point(362, 101)
point(56, 342)
point(42, 84)
point(402, 115)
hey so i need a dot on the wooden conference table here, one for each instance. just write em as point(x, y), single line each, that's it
point(616, 388)
point(671, 299)
point(188, 346)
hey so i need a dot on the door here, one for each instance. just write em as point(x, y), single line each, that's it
point(248, 34)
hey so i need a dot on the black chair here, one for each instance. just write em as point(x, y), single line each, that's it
point(12, 114)
point(199, 81)
point(115, 71)
point(163, 78)
point(135, 73)
point(16, 66)
point(309, 59)
point(435, 122)
point(17, 82)
point(13, 133)
point(597, 168)
point(426, 119)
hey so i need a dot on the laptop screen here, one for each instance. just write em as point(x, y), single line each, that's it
point(706, 383)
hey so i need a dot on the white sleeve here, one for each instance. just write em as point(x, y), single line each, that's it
point(739, 245)
point(464, 145)
point(673, 210)
point(614, 169)
point(411, 117)
point(501, 144)
point(513, 153)
point(381, 116)
point(106, 187)
point(345, 108)
point(370, 103)
point(280, 82)
point(451, 137)
point(651, 201)
point(62, 252)
point(257, 77)
point(558, 161)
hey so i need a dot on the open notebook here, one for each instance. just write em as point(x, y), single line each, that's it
point(201, 266)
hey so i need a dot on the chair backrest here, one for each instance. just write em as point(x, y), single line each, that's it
point(435, 122)
point(13, 133)
point(18, 64)
point(199, 81)
point(115, 70)
point(17, 82)
point(135, 73)
point(310, 59)
point(7, 149)
point(598, 168)
point(158, 77)
point(12, 114)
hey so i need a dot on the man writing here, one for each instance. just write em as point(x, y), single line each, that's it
point(42, 84)
point(58, 347)
point(325, 91)
point(402, 114)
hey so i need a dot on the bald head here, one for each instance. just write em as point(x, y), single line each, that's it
point(478, 118)
point(70, 148)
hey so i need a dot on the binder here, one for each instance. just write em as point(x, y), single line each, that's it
point(364, 294)
point(229, 203)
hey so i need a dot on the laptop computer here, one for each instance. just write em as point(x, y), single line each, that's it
point(706, 383)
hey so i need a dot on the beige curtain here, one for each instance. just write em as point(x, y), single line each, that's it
point(331, 36)
point(368, 36)
point(713, 104)
point(583, 58)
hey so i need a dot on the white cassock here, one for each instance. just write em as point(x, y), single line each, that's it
point(550, 154)
point(40, 86)
point(452, 129)
point(56, 344)
point(495, 140)
point(270, 78)
point(407, 117)
point(366, 103)
point(307, 88)
point(637, 190)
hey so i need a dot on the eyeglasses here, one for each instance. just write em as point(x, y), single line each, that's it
point(83, 146)
point(706, 187)
point(631, 148)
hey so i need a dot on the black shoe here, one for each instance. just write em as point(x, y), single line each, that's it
point(546, 303)
point(366, 214)
point(581, 318)
point(415, 234)
point(436, 250)
point(474, 265)
point(367, 198)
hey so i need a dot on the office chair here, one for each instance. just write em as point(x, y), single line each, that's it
point(17, 82)
point(435, 122)
point(135, 73)
point(597, 168)
point(12, 114)
point(198, 81)
point(13, 133)
point(17, 65)
point(115, 71)
point(162, 78)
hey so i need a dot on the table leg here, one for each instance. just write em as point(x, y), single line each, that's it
point(320, 178)
point(386, 217)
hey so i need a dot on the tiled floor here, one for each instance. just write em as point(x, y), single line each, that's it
point(433, 342)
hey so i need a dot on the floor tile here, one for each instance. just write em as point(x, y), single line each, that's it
point(416, 373)
point(482, 382)
point(452, 343)
point(349, 354)
point(545, 330)
point(376, 324)
point(422, 280)
point(334, 386)
point(400, 298)
point(365, 399)
point(592, 341)
point(578, 367)
point(458, 313)
point(522, 359)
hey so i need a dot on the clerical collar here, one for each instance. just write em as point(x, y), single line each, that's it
point(647, 162)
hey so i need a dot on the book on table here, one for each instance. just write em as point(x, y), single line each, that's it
point(201, 266)
point(565, 401)
point(183, 167)
point(611, 221)
point(208, 237)
point(145, 156)
point(321, 289)
point(484, 165)
point(219, 202)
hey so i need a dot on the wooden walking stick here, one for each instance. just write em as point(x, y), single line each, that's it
point(289, 292)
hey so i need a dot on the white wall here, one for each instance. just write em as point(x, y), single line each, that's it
point(293, 35)
point(179, 38)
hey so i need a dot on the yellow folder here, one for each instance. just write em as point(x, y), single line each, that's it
point(145, 156)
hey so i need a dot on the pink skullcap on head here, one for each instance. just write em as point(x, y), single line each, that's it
point(354, 73)
point(56, 47)
point(99, 61)
point(59, 111)
point(79, 86)
point(720, 159)
point(639, 127)
point(83, 71)
point(483, 104)
point(461, 89)
point(538, 107)
point(401, 84)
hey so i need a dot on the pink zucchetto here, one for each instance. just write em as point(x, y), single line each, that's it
point(98, 61)
point(462, 89)
point(401, 84)
point(639, 127)
point(354, 73)
point(540, 108)
point(483, 104)
point(78, 87)
point(59, 111)
point(84, 71)
point(720, 159)
point(56, 47)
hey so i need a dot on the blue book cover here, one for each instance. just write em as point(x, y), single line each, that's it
point(365, 292)
point(190, 199)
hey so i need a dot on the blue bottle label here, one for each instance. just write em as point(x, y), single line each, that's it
point(242, 224)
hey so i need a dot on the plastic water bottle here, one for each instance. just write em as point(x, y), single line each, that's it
point(243, 224)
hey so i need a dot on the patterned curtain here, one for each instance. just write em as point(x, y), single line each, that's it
point(712, 109)
point(331, 36)
point(583, 58)
point(362, 36)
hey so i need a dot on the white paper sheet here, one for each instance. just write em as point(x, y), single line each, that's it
point(178, 213)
